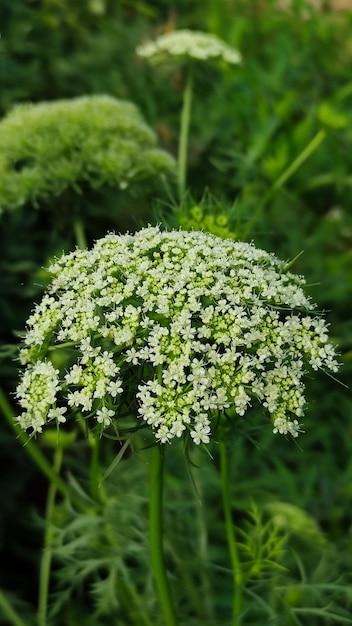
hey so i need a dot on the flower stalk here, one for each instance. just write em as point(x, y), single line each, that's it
point(238, 579)
point(45, 566)
point(184, 135)
point(300, 159)
point(287, 174)
point(156, 536)
point(79, 233)
point(187, 48)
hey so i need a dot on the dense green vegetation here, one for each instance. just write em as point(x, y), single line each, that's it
point(269, 161)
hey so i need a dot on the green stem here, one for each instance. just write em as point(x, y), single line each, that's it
point(45, 566)
point(238, 579)
point(132, 603)
point(95, 478)
point(155, 535)
point(9, 611)
point(283, 178)
point(95, 474)
point(312, 146)
point(184, 133)
point(31, 448)
point(202, 534)
point(80, 237)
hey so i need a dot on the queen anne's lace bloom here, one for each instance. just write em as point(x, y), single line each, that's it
point(189, 43)
point(48, 148)
point(175, 326)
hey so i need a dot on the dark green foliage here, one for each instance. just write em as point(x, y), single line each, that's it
point(271, 142)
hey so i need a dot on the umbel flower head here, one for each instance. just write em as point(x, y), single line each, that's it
point(175, 326)
point(189, 44)
point(49, 147)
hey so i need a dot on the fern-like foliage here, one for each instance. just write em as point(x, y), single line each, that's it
point(283, 587)
point(49, 147)
point(261, 545)
point(102, 553)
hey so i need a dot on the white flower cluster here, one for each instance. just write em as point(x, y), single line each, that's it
point(189, 43)
point(185, 323)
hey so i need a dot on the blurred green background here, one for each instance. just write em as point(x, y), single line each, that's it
point(270, 161)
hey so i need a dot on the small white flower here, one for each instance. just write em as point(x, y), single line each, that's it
point(74, 375)
point(114, 388)
point(104, 415)
point(178, 428)
point(163, 434)
point(285, 426)
point(200, 434)
point(57, 414)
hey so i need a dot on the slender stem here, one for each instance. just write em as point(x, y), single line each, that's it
point(45, 566)
point(79, 233)
point(10, 612)
point(202, 533)
point(184, 133)
point(36, 455)
point(238, 579)
point(288, 172)
point(303, 156)
point(155, 535)
point(95, 474)
point(131, 601)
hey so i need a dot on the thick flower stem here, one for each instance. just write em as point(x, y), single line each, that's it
point(238, 580)
point(184, 133)
point(155, 534)
point(45, 566)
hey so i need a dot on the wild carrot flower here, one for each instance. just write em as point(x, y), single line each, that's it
point(189, 44)
point(176, 327)
point(192, 50)
point(50, 147)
